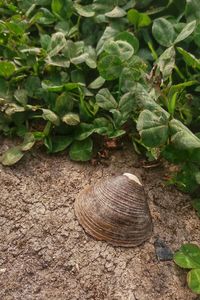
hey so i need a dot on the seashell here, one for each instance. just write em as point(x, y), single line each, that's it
point(115, 210)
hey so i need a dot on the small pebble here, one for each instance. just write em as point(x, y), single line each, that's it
point(163, 252)
point(2, 270)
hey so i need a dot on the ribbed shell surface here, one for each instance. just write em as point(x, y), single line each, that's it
point(116, 211)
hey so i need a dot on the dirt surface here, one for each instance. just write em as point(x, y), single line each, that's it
point(45, 254)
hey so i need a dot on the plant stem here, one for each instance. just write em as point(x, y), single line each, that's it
point(179, 73)
point(153, 52)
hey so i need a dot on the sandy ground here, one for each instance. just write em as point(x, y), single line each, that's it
point(45, 253)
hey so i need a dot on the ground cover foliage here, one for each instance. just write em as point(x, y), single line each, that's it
point(70, 70)
point(188, 257)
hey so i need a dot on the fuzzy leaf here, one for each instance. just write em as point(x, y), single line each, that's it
point(81, 150)
point(84, 11)
point(50, 116)
point(153, 128)
point(71, 119)
point(105, 99)
point(188, 256)
point(193, 279)
point(11, 156)
point(163, 32)
point(6, 68)
point(117, 12)
point(29, 141)
point(57, 143)
point(122, 49)
point(110, 67)
point(187, 30)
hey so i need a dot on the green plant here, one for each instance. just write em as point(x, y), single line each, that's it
point(70, 70)
point(188, 257)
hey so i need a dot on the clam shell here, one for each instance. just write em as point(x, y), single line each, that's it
point(115, 210)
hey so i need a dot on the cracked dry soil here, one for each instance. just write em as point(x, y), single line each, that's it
point(45, 254)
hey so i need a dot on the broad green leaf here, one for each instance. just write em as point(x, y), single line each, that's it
point(64, 27)
point(29, 141)
point(103, 126)
point(75, 52)
point(129, 38)
point(163, 32)
point(91, 59)
point(85, 113)
point(144, 20)
point(7, 68)
point(193, 279)
point(117, 133)
point(58, 42)
point(21, 96)
point(108, 35)
point(110, 67)
point(189, 58)
point(187, 30)
point(129, 77)
point(64, 104)
point(63, 9)
point(188, 256)
point(50, 116)
point(45, 17)
point(32, 86)
point(83, 131)
point(11, 156)
point(103, 6)
point(77, 76)
point(182, 137)
point(185, 179)
point(117, 12)
point(58, 60)
point(15, 27)
point(97, 83)
point(133, 16)
point(58, 143)
point(71, 119)
point(192, 10)
point(84, 11)
point(166, 62)
point(80, 59)
point(81, 150)
point(138, 19)
point(126, 103)
point(153, 128)
point(119, 48)
point(105, 99)
point(119, 118)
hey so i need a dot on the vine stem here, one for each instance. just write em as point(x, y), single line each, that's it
point(179, 73)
